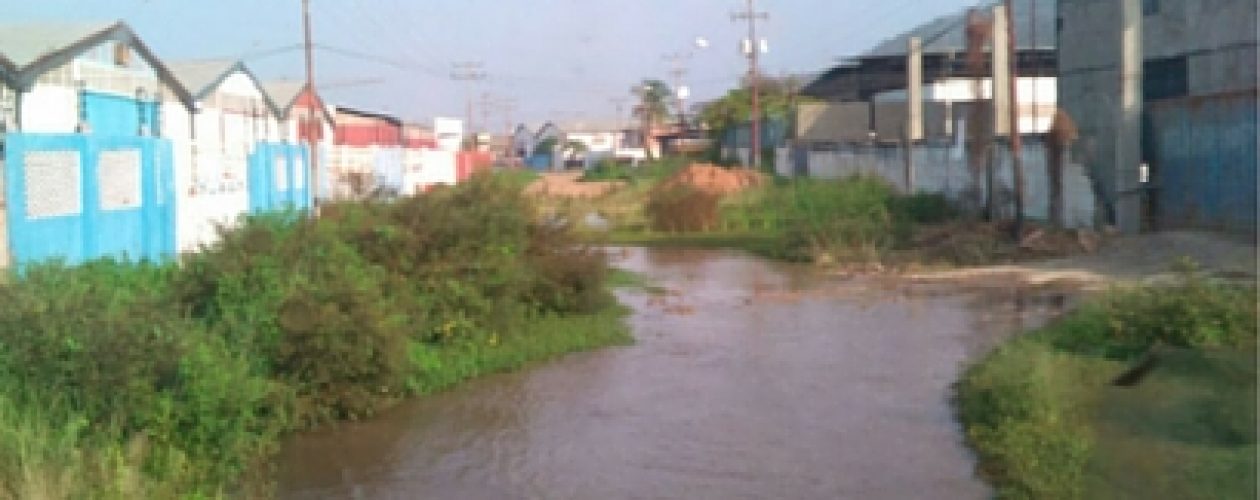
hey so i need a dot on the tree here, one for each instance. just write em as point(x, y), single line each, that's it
point(654, 98)
point(778, 97)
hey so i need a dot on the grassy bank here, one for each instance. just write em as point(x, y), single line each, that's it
point(123, 380)
point(1145, 393)
point(855, 220)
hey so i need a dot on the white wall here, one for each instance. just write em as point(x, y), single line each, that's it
point(424, 168)
point(50, 109)
point(1037, 97)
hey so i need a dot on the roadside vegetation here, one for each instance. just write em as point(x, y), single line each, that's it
point(1143, 393)
point(123, 380)
point(858, 221)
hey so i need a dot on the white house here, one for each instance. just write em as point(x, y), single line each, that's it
point(214, 144)
point(94, 78)
point(82, 143)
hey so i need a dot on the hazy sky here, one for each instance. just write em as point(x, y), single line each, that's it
point(559, 59)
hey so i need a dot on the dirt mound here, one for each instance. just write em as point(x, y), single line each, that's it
point(714, 180)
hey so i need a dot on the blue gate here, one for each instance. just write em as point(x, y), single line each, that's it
point(79, 197)
point(279, 178)
point(1203, 156)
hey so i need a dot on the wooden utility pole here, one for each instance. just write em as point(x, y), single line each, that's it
point(753, 48)
point(1017, 163)
point(472, 72)
point(312, 122)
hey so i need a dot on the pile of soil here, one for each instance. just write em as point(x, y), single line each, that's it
point(714, 180)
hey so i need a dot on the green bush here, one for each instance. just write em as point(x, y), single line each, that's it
point(848, 218)
point(1030, 445)
point(924, 208)
point(681, 209)
point(1194, 314)
point(1033, 409)
point(166, 380)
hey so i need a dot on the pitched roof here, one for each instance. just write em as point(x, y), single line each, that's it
point(29, 50)
point(23, 44)
point(203, 77)
point(284, 95)
point(391, 119)
point(948, 33)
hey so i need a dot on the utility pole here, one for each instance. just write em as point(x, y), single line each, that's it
point(312, 122)
point(752, 48)
point(472, 72)
point(677, 70)
point(508, 107)
point(1017, 163)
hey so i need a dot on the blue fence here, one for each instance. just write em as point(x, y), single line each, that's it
point(1203, 155)
point(78, 197)
point(279, 178)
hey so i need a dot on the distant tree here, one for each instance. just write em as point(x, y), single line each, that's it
point(654, 98)
point(777, 96)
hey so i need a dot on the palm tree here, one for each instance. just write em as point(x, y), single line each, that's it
point(654, 98)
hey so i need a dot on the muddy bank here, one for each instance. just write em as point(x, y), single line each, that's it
point(1149, 258)
point(750, 379)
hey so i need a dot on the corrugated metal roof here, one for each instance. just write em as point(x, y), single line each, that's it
point(23, 44)
point(948, 33)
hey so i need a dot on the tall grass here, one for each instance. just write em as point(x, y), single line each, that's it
point(122, 380)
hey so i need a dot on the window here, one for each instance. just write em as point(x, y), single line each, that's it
point(1150, 7)
point(1165, 78)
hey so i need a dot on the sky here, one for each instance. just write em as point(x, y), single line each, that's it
point(561, 60)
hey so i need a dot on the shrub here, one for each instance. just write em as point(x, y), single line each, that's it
point(1029, 444)
point(849, 217)
point(1193, 314)
point(682, 209)
point(924, 208)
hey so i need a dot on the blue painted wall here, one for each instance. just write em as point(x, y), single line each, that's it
point(143, 232)
point(267, 191)
point(113, 115)
point(1203, 151)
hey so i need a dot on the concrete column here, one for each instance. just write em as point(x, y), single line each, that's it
point(1128, 129)
point(1001, 73)
point(914, 90)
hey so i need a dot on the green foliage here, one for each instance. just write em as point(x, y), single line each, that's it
point(850, 219)
point(682, 209)
point(1046, 423)
point(776, 99)
point(923, 208)
point(178, 379)
point(1194, 314)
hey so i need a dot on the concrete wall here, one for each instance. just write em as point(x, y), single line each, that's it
point(1119, 61)
point(833, 122)
point(944, 170)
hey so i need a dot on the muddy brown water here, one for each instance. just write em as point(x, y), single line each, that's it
point(749, 380)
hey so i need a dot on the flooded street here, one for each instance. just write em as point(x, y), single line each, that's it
point(749, 380)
